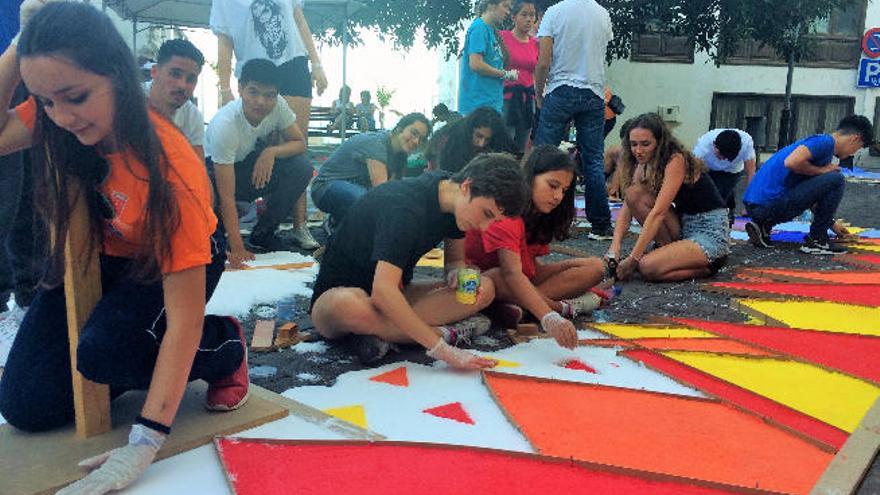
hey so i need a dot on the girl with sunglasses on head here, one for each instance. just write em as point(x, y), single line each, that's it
point(150, 216)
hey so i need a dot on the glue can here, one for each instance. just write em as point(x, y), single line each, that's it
point(468, 285)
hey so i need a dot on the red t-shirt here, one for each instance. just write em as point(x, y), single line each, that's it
point(127, 189)
point(481, 248)
point(523, 57)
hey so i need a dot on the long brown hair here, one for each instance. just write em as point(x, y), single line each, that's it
point(544, 228)
point(87, 38)
point(667, 147)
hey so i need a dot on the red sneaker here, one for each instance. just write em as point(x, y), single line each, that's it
point(230, 393)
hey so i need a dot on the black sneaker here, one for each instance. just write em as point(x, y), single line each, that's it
point(266, 244)
point(601, 235)
point(758, 235)
point(825, 246)
point(367, 348)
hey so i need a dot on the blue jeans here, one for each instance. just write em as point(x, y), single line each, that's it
point(118, 345)
point(587, 109)
point(820, 193)
point(336, 197)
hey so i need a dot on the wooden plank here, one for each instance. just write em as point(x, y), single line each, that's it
point(262, 339)
point(288, 335)
point(82, 291)
point(44, 462)
point(848, 468)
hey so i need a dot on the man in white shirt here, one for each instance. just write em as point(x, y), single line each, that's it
point(727, 153)
point(570, 85)
point(174, 78)
point(241, 146)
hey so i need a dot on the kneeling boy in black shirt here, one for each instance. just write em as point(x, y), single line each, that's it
point(364, 290)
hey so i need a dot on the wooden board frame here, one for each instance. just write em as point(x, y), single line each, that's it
point(848, 468)
point(44, 462)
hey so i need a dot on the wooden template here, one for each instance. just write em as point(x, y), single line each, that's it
point(717, 346)
point(322, 467)
point(857, 355)
point(702, 439)
point(263, 333)
point(806, 276)
point(813, 315)
point(44, 462)
point(833, 397)
point(82, 291)
point(860, 294)
point(826, 435)
point(282, 266)
point(646, 330)
point(850, 465)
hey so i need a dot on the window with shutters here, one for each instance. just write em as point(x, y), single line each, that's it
point(656, 45)
point(809, 114)
point(837, 43)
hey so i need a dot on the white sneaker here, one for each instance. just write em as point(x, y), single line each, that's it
point(303, 237)
point(463, 331)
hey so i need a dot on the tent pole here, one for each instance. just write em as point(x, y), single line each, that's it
point(344, 125)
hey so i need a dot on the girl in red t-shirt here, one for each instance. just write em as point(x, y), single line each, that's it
point(509, 249)
point(148, 200)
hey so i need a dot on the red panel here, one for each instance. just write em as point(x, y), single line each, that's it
point(830, 276)
point(577, 365)
point(861, 260)
point(858, 355)
point(861, 294)
point(261, 467)
point(740, 397)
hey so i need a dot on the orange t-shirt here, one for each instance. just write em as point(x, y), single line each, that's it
point(127, 189)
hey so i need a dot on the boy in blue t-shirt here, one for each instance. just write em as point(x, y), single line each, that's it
point(804, 176)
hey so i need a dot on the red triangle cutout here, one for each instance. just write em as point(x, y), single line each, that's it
point(396, 377)
point(454, 411)
point(574, 364)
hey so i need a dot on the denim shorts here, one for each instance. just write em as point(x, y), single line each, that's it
point(709, 230)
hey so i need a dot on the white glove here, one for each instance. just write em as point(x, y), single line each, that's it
point(118, 468)
point(458, 358)
point(511, 75)
point(561, 329)
point(27, 10)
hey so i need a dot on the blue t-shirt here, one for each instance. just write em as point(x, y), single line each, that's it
point(8, 22)
point(475, 90)
point(773, 178)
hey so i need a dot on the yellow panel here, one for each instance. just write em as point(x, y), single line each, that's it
point(353, 414)
point(828, 316)
point(867, 247)
point(644, 331)
point(432, 259)
point(835, 398)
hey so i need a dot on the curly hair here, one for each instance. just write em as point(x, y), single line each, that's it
point(543, 228)
point(496, 176)
point(667, 147)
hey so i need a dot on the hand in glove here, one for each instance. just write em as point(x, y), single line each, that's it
point(459, 358)
point(561, 329)
point(511, 75)
point(120, 467)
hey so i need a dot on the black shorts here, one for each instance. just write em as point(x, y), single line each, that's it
point(296, 80)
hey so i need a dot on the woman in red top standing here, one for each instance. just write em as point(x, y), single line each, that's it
point(509, 249)
point(519, 94)
point(149, 205)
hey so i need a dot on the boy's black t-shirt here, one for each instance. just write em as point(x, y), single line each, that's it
point(396, 222)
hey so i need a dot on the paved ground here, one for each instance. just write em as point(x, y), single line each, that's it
point(639, 302)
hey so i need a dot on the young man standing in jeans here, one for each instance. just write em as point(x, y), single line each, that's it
point(247, 166)
point(570, 85)
point(804, 176)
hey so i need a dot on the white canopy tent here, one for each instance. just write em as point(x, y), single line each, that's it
point(321, 14)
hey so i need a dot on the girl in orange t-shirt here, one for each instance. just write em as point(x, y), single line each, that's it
point(508, 251)
point(149, 206)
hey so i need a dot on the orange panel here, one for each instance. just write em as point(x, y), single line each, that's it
point(723, 346)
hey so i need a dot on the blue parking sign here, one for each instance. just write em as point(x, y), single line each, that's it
point(869, 73)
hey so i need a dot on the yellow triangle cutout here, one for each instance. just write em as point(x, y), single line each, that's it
point(353, 414)
point(503, 363)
